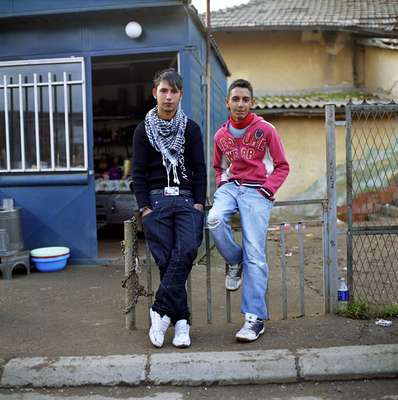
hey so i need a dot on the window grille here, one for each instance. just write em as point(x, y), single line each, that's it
point(43, 116)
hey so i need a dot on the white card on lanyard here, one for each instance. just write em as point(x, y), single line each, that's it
point(171, 191)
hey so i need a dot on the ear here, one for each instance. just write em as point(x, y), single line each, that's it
point(154, 92)
point(226, 103)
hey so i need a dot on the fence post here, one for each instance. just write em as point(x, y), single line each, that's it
point(128, 269)
point(348, 144)
point(325, 247)
point(332, 204)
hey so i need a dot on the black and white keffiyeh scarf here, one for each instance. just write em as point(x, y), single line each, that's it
point(168, 137)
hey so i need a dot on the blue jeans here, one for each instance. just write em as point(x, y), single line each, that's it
point(174, 231)
point(255, 212)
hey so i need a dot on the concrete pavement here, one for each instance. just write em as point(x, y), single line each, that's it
point(68, 329)
point(204, 368)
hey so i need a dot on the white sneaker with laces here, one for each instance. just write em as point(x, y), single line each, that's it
point(251, 329)
point(181, 334)
point(158, 328)
point(233, 278)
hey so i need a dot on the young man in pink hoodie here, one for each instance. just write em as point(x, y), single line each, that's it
point(250, 166)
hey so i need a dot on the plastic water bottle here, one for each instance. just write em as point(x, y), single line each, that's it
point(343, 294)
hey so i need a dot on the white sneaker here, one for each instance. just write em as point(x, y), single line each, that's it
point(158, 328)
point(233, 279)
point(251, 329)
point(181, 335)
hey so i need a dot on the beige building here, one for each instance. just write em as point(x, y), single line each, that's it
point(301, 55)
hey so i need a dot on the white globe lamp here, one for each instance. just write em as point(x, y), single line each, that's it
point(133, 30)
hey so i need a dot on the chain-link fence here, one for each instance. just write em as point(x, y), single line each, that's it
point(372, 202)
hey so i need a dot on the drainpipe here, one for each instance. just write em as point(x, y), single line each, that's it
point(208, 97)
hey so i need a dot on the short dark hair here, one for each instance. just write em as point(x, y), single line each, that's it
point(169, 75)
point(242, 83)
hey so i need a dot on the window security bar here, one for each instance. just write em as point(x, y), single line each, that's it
point(44, 140)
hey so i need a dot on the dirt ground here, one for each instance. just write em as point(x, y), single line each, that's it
point(79, 311)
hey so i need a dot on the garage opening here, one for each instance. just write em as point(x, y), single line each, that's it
point(122, 95)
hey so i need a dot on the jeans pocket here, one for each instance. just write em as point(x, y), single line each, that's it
point(146, 223)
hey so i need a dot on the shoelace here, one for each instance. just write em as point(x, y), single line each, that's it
point(234, 270)
point(162, 327)
point(183, 330)
point(249, 324)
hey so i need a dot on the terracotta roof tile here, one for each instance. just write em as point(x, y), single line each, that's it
point(367, 15)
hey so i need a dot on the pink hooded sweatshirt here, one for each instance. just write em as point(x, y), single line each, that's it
point(257, 158)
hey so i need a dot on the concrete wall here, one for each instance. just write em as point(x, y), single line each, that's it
point(305, 144)
point(381, 70)
point(288, 61)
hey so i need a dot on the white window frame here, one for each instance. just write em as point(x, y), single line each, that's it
point(50, 84)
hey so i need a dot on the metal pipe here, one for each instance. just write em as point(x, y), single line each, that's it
point(301, 270)
point(66, 118)
point(208, 95)
point(228, 305)
point(298, 202)
point(21, 123)
point(36, 113)
point(51, 119)
point(7, 126)
point(283, 270)
point(208, 274)
point(267, 288)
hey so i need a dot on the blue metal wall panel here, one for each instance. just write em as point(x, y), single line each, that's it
point(88, 33)
point(197, 78)
point(5, 7)
point(198, 93)
point(57, 216)
point(11, 8)
point(218, 94)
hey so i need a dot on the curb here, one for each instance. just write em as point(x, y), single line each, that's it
point(349, 362)
point(223, 368)
point(204, 368)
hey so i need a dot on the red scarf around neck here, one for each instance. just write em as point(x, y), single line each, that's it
point(242, 124)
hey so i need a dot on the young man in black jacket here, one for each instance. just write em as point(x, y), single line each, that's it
point(169, 182)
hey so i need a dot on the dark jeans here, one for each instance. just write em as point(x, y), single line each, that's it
point(174, 231)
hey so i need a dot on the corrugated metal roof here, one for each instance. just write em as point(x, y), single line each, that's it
point(316, 100)
point(365, 15)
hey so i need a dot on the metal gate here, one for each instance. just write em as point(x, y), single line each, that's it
point(372, 202)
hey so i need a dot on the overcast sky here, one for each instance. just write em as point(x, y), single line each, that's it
point(216, 4)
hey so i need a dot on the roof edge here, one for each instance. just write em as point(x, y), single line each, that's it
point(350, 29)
point(113, 7)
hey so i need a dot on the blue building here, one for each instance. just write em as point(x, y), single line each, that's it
point(74, 82)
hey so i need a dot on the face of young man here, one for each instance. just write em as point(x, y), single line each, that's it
point(167, 98)
point(239, 103)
